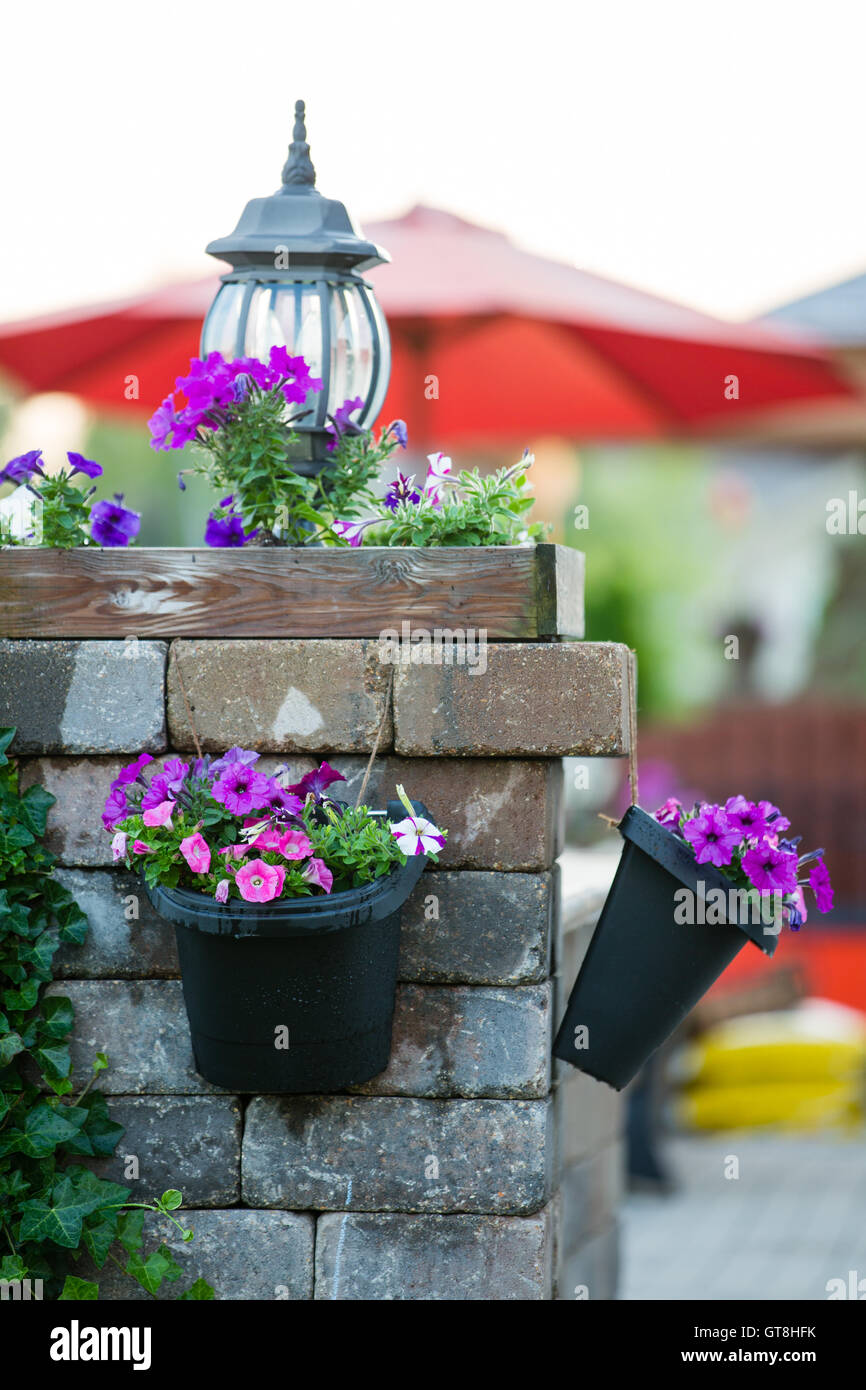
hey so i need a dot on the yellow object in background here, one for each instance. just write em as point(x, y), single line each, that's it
point(801, 1068)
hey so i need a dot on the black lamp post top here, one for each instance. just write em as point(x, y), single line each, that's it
point(296, 224)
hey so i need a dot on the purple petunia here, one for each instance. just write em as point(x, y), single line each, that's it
point(79, 464)
point(401, 491)
point(21, 469)
point(770, 870)
point(158, 792)
point(318, 781)
point(712, 836)
point(227, 530)
point(241, 789)
point(116, 808)
point(112, 524)
point(132, 771)
point(342, 423)
point(400, 432)
point(353, 531)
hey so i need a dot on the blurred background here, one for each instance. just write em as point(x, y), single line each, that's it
point(634, 242)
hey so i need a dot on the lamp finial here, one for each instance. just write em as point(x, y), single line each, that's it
point(298, 169)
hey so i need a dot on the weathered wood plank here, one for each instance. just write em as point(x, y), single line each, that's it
point(515, 593)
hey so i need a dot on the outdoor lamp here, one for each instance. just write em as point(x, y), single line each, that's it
point(295, 281)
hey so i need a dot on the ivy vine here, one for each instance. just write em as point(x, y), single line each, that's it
point(53, 1209)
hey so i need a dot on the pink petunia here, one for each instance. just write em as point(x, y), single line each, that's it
point(196, 851)
point(294, 844)
point(259, 882)
point(222, 891)
point(159, 815)
point(669, 812)
point(139, 847)
point(316, 871)
point(235, 851)
point(118, 846)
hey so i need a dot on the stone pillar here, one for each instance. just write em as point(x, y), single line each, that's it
point(464, 1171)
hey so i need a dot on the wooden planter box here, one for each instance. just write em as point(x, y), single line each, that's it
point(516, 593)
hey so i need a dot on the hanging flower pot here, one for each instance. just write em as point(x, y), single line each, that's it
point(286, 904)
point(292, 995)
point(673, 921)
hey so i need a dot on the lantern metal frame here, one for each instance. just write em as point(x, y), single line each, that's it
point(298, 243)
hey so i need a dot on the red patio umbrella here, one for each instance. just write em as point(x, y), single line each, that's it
point(491, 344)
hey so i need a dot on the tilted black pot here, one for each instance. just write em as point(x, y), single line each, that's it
point(643, 970)
point(319, 973)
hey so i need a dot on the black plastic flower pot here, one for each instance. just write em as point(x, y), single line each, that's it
point(645, 969)
point(295, 995)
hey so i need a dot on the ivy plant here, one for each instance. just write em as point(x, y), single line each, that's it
point(54, 1209)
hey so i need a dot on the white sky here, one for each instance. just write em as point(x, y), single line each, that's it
point(709, 152)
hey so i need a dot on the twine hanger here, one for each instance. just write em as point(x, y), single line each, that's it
point(631, 679)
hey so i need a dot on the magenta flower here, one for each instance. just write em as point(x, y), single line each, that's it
point(318, 781)
point(771, 870)
point(747, 817)
point(797, 913)
point(776, 822)
point(259, 882)
point(280, 799)
point(353, 531)
point(112, 524)
point(161, 423)
point(241, 789)
point(175, 772)
point(159, 815)
point(156, 794)
point(196, 852)
point(711, 836)
point(342, 423)
point(236, 851)
point(222, 891)
point(118, 846)
point(669, 812)
point(132, 771)
point(116, 808)
point(79, 464)
point(234, 755)
point(139, 847)
point(316, 871)
point(819, 881)
point(415, 835)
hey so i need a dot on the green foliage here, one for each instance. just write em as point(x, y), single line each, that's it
point(356, 846)
point(475, 510)
point(52, 1209)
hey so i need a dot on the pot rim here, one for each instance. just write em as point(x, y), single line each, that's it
point(302, 916)
point(639, 828)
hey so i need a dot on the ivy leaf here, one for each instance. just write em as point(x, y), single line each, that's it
point(10, 1046)
point(60, 1223)
point(130, 1229)
point(160, 1265)
point(35, 805)
point(98, 1240)
point(6, 737)
point(12, 1267)
point(54, 1061)
point(58, 1016)
point(77, 1290)
point(200, 1291)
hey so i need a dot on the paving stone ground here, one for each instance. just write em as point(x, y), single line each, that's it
point(793, 1220)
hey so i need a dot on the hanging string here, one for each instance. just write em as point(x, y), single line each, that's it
point(386, 711)
point(186, 703)
point(632, 725)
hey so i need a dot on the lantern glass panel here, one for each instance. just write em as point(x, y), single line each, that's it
point(221, 326)
point(384, 359)
point(351, 346)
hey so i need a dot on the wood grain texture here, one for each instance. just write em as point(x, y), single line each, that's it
point(515, 593)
